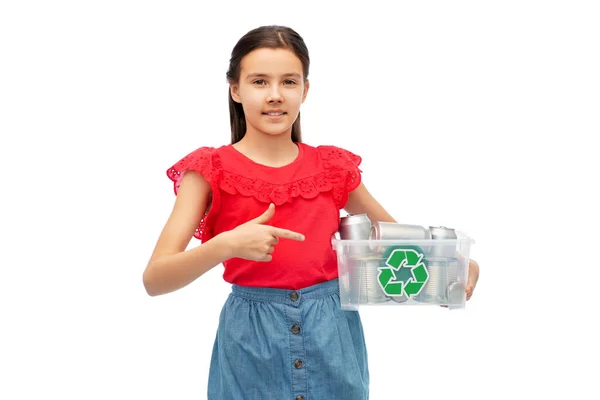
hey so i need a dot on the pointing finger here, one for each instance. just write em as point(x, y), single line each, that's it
point(287, 234)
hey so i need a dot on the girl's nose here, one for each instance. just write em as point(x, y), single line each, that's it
point(274, 96)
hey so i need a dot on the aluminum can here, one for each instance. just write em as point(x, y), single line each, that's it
point(366, 281)
point(443, 250)
point(355, 227)
point(441, 232)
point(392, 231)
point(395, 231)
point(435, 290)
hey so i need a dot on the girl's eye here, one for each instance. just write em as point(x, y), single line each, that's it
point(289, 82)
point(259, 82)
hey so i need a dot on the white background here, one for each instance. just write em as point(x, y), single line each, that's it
point(482, 114)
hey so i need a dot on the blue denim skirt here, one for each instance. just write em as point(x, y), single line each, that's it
point(288, 344)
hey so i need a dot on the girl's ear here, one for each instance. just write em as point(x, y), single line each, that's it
point(235, 95)
point(306, 86)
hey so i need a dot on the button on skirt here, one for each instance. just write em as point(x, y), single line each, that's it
point(288, 344)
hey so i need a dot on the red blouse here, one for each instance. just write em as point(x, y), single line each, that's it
point(308, 195)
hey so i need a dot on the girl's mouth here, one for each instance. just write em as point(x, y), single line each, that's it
point(274, 115)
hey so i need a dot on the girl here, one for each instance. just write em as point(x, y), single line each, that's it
point(265, 207)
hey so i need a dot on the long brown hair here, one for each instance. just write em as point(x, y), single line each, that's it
point(274, 37)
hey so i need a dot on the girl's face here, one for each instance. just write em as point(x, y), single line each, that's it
point(271, 89)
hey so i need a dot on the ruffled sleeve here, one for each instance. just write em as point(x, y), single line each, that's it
point(343, 171)
point(205, 161)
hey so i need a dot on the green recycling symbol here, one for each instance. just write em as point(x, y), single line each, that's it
point(404, 274)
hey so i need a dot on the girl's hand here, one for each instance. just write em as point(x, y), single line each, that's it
point(255, 241)
point(472, 279)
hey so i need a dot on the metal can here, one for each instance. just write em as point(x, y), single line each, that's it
point(355, 227)
point(369, 290)
point(392, 230)
point(443, 249)
point(395, 231)
point(435, 290)
point(441, 232)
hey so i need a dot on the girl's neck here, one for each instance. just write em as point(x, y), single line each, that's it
point(275, 151)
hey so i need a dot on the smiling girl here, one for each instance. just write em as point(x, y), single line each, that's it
point(266, 207)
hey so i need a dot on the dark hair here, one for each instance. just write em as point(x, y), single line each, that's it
point(274, 37)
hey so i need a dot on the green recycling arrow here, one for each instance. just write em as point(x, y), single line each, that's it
point(398, 259)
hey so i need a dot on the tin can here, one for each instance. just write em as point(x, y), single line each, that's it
point(395, 231)
point(441, 232)
point(367, 281)
point(355, 227)
point(443, 249)
point(452, 271)
point(392, 230)
point(435, 290)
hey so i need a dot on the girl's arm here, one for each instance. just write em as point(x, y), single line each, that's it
point(360, 201)
point(170, 266)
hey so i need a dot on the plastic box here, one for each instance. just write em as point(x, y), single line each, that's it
point(403, 272)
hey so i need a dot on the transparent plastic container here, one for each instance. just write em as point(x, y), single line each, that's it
point(403, 272)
